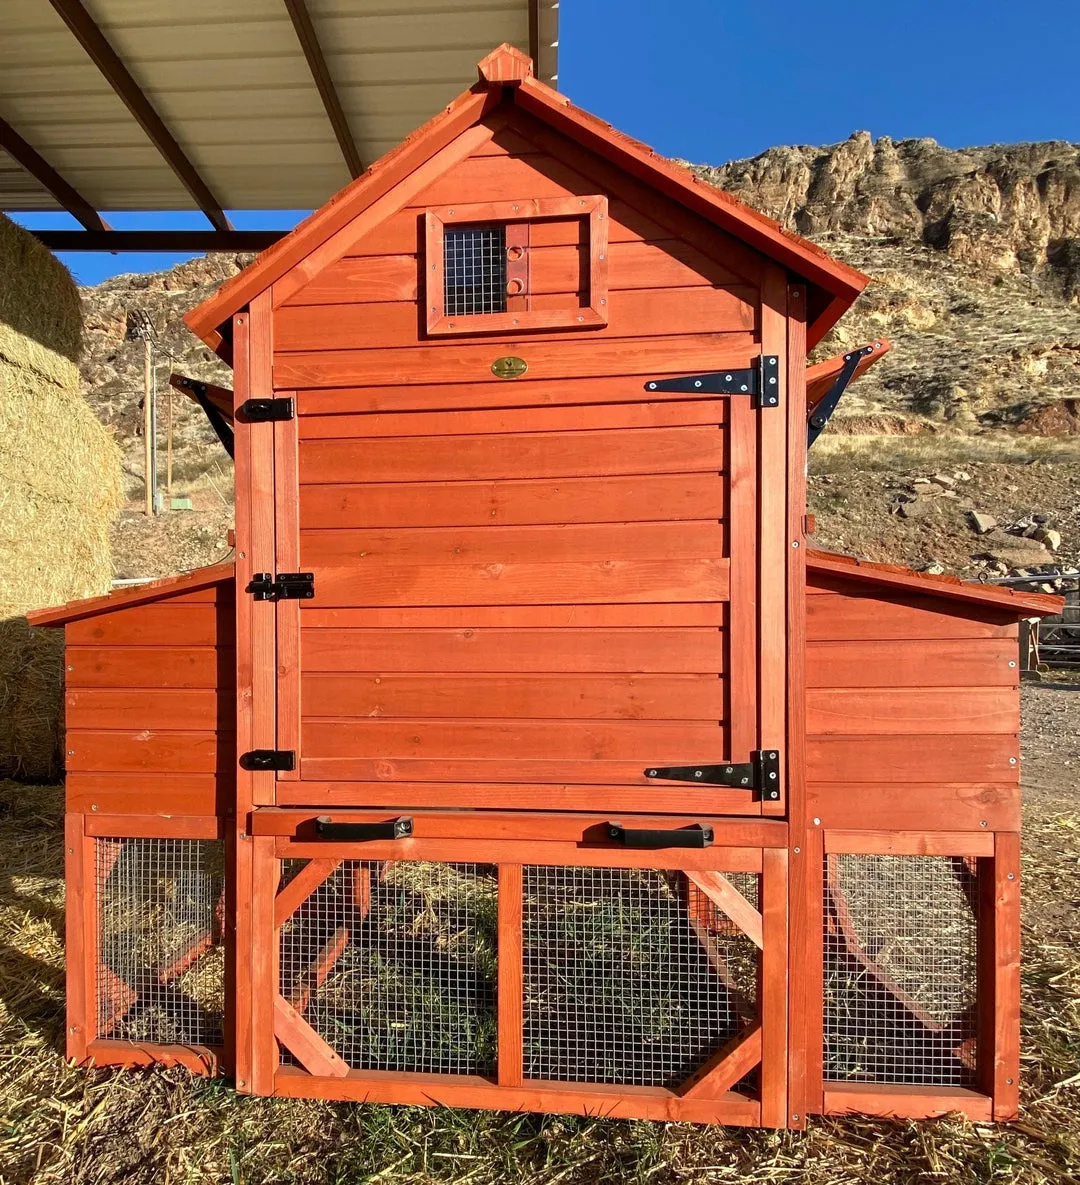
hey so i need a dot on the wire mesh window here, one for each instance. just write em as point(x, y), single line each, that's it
point(631, 977)
point(393, 964)
point(900, 969)
point(474, 267)
point(161, 959)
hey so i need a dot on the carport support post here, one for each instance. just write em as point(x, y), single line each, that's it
point(148, 428)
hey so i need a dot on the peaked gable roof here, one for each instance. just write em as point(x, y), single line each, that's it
point(506, 75)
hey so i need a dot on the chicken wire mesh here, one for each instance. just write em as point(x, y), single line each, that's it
point(393, 964)
point(900, 969)
point(631, 977)
point(474, 270)
point(160, 974)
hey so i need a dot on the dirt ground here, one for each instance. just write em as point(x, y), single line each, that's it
point(63, 1126)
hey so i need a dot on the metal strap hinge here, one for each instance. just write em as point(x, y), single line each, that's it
point(286, 586)
point(761, 381)
point(760, 773)
point(268, 759)
point(265, 411)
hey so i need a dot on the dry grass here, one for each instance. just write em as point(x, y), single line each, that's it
point(62, 1125)
point(59, 489)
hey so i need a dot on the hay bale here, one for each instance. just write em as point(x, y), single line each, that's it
point(59, 490)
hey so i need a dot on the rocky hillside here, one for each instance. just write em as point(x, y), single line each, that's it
point(975, 260)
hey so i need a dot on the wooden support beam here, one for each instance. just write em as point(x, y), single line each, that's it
point(158, 240)
point(102, 54)
point(40, 169)
point(309, 43)
point(721, 1072)
point(723, 894)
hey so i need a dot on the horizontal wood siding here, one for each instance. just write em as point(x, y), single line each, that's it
point(912, 710)
point(151, 706)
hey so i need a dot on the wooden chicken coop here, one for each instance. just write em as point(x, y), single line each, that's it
point(529, 758)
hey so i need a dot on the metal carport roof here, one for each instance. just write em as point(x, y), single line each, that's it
point(238, 105)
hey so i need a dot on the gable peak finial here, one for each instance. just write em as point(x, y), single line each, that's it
point(505, 65)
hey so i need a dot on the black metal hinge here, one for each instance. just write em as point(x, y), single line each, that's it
point(286, 586)
point(822, 411)
point(265, 411)
point(760, 773)
point(272, 759)
point(762, 381)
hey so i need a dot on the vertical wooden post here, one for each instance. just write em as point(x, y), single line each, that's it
point(774, 987)
point(148, 428)
point(510, 993)
point(168, 447)
point(998, 985)
point(740, 622)
point(265, 977)
point(287, 550)
point(80, 937)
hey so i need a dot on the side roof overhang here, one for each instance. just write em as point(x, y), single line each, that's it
point(506, 76)
point(891, 578)
point(138, 594)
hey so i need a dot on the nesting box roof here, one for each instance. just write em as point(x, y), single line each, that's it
point(506, 77)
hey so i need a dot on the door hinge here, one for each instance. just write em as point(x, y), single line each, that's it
point(286, 586)
point(265, 411)
point(268, 759)
point(760, 773)
point(762, 381)
point(820, 414)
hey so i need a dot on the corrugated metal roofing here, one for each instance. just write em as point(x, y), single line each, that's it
point(233, 86)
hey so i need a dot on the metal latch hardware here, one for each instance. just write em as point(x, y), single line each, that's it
point(760, 773)
point(762, 381)
point(286, 586)
point(266, 411)
point(399, 828)
point(272, 759)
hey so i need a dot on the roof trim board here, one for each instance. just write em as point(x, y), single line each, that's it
point(505, 70)
point(140, 594)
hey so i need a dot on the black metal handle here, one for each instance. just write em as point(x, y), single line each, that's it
point(679, 837)
point(399, 828)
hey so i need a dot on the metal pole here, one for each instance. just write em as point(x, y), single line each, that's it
point(168, 448)
point(148, 429)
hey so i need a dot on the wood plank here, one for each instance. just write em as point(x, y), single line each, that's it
point(287, 551)
point(555, 697)
point(520, 795)
point(265, 965)
point(557, 267)
point(836, 617)
point(520, 502)
point(503, 179)
point(496, 544)
point(510, 993)
point(724, 1069)
point(999, 1008)
point(742, 527)
point(541, 454)
point(868, 805)
point(471, 362)
point(862, 711)
point(169, 752)
point(775, 968)
point(599, 651)
point(973, 756)
point(80, 936)
point(519, 616)
point(196, 1059)
point(150, 793)
point(301, 1040)
point(161, 624)
point(723, 894)
point(906, 1102)
point(303, 884)
point(431, 1090)
point(641, 313)
point(150, 667)
point(152, 826)
point(603, 581)
point(489, 421)
point(137, 708)
point(910, 843)
point(938, 663)
point(641, 741)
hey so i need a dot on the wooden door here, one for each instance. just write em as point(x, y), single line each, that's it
point(525, 605)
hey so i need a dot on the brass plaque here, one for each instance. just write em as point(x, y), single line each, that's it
point(509, 367)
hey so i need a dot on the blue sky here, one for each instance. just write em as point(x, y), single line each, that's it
point(715, 80)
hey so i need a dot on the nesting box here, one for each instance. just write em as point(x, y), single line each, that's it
point(530, 758)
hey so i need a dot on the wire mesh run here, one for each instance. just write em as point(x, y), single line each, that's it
point(900, 969)
point(393, 964)
point(631, 977)
point(474, 267)
point(160, 973)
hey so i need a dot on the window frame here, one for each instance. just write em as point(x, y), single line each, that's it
point(516, 216)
